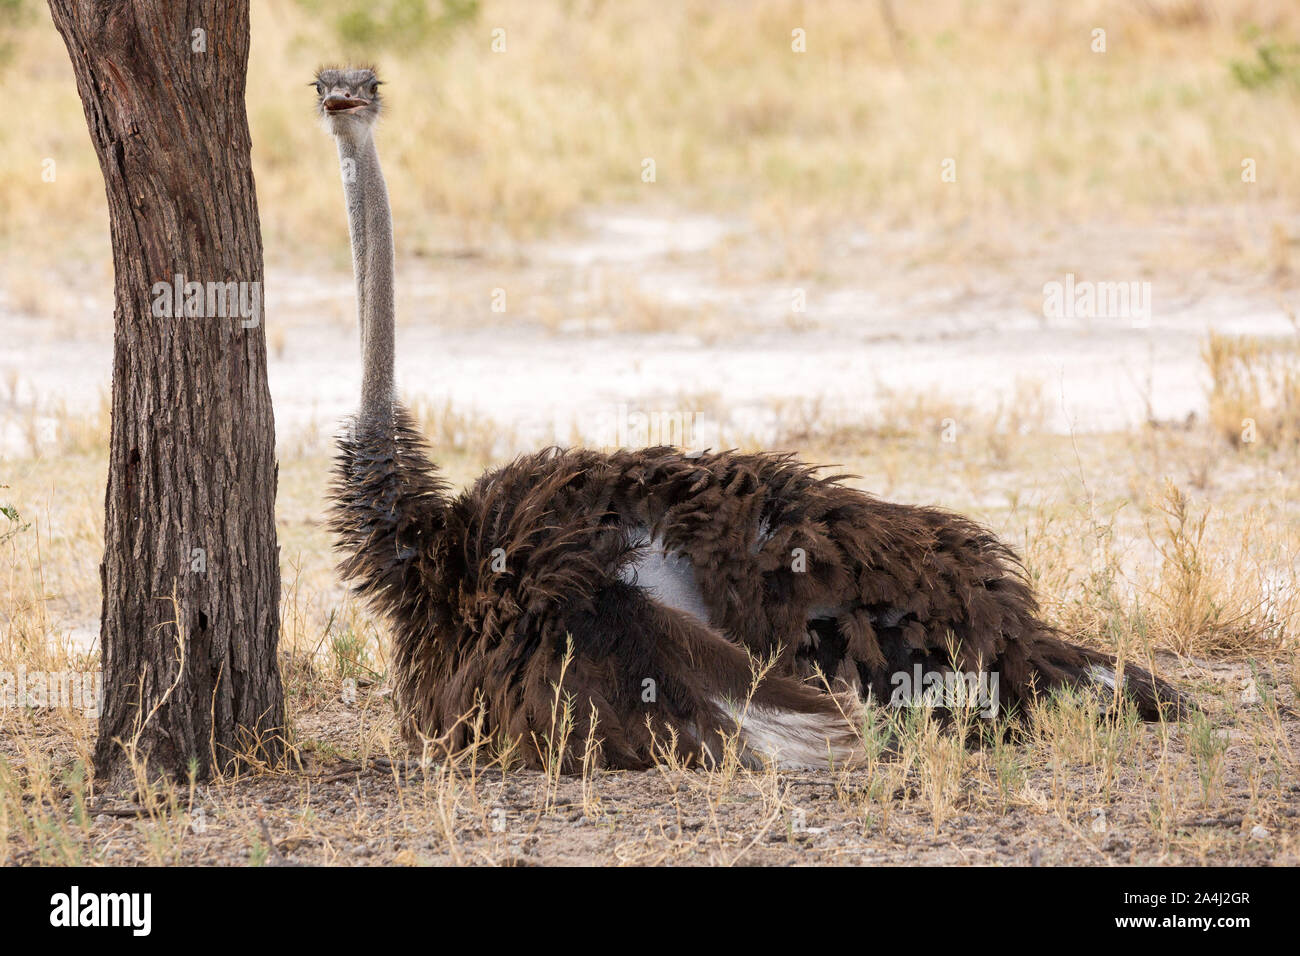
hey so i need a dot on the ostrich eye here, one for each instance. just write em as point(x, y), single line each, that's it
point(320, 88)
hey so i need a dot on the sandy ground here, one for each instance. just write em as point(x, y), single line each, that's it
point(694, 314)
point(348, 807)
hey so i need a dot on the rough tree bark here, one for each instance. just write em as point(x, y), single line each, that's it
point(190, 577)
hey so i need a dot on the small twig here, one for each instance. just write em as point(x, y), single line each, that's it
point(373, 765)
point(117, 812)
point(277, 858)
point(345, 774)
point(1214, 822)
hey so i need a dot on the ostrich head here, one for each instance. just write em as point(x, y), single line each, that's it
point(348, 100)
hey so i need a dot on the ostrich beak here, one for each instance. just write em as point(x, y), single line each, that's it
point(340, 103)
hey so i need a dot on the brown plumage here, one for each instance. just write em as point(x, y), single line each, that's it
point(654, 581)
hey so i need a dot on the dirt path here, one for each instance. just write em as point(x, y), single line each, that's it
point(680, 313)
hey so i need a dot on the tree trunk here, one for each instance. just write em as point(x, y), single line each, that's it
point(191, 581)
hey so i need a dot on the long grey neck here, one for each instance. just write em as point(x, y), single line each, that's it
point(370, 223)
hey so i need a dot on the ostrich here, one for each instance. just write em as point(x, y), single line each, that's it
point(678, 601)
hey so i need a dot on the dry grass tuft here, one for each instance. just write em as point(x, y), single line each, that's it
point(1255, 389)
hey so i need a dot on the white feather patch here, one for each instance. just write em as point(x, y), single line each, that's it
point(1102, 675)
point(667, 576)
point(794, 740)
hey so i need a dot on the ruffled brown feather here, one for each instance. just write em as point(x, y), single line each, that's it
point(484, 592)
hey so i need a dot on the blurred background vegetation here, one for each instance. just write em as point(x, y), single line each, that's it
point(481, 144)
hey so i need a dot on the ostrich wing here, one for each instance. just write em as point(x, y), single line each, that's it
point(837, 583)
